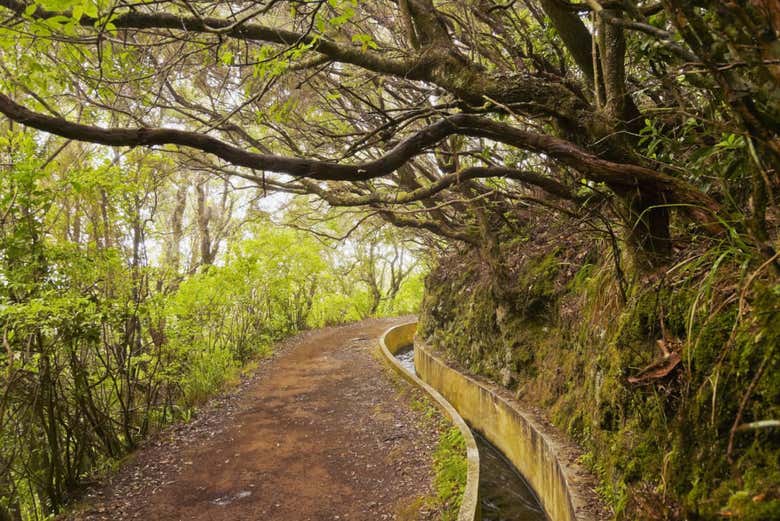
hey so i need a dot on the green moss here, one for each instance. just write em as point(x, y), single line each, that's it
point(451, 470)
point(566, 341)
point(450, 467)
point(536, 289)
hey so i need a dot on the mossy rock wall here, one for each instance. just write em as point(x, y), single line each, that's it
point(551, 324)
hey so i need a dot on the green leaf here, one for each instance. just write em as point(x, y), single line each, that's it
point(365, 41)
point(226, 57)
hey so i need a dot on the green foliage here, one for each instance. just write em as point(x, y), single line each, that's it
point(105, 341)
point(407, 300)
point(450, 466)
point(207, 373)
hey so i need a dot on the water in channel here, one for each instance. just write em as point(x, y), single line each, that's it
point(406, 357)
point(503, 492)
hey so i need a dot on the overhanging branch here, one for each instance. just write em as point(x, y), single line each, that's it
point(619, 176)
point(337, 198)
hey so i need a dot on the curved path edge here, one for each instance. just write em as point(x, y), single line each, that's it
point(392, 341)
point(546, 458)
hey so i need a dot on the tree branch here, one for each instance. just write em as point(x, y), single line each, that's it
point(620, 177)
point(137, 19)
point(337, 198)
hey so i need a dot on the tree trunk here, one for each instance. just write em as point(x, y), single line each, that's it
point(204, 218)
point(649, 235)
point(172, 251)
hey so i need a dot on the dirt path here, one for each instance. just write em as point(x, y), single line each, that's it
point(321, 432)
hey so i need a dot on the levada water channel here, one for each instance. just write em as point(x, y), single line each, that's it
point(503, 492)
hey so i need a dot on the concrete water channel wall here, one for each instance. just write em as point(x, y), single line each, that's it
point(398, 338)
point(546, 460)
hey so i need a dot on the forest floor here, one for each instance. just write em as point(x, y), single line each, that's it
point(319, 432)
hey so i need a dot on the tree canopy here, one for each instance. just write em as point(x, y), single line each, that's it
point(453, 108)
